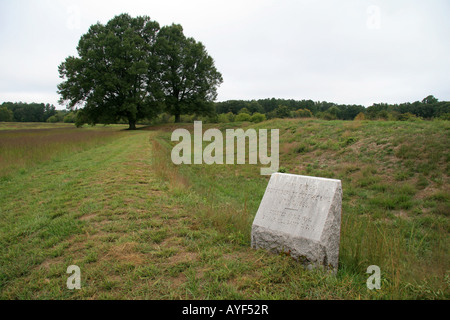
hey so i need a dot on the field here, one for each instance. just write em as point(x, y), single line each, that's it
point(111, 202)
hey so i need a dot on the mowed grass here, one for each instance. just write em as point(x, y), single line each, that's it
point(140, 227)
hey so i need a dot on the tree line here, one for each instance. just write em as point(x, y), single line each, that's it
point(253, 110)
point(34, 112)
point(26, 112)
point(285, 108)
point(428, 108)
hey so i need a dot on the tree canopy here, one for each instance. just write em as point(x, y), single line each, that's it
point(187, 76)
point(6, 115)
point(131, 68)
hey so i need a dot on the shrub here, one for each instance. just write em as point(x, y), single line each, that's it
point(185, 118)
point(242, 117)
point(214, 118)
point(52, 119)
point(301, 148)
point(223, 118)
point(70, 117)
point(393, 116)
point(226, 117)
point(383, 114)
point(408, 117)
point(333, 111)
point(326, 116)
point(303, 113)
point(360, 117)
point(348, 141)
point(258, 117)
point(244, 110)
point(231, 116)
point(166, 118)
point(282, 112)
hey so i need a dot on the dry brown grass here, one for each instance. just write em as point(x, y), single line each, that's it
point(165, 169)
point(24, 148)
point(125, 252)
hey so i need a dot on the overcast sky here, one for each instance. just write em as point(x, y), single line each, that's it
point(343, 51)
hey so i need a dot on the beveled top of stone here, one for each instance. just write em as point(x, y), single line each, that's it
point(297, 205)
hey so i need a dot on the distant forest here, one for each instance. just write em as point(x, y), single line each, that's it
point(428, 108)
point(33, 112)
point(256, 111)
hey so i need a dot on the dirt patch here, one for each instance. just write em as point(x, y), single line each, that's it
point(183, 256)
point(288, 147)
point(125, 252)
point(47, 264)
point(402, 214)
point(88, 217)
point(178, 281)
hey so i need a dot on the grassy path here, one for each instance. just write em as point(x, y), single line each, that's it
point(87, 209)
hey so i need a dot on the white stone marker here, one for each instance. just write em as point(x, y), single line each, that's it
point(301, 216)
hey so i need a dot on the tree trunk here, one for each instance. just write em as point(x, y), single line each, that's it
point(177, 118)
point(132, 124)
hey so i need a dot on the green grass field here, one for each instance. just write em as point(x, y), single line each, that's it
point(111, 202)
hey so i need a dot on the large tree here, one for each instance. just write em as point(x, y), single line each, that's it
point(114, 76)
point(187, 77)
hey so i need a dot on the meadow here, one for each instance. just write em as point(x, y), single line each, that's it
point(139, 227)
point(23, 145)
